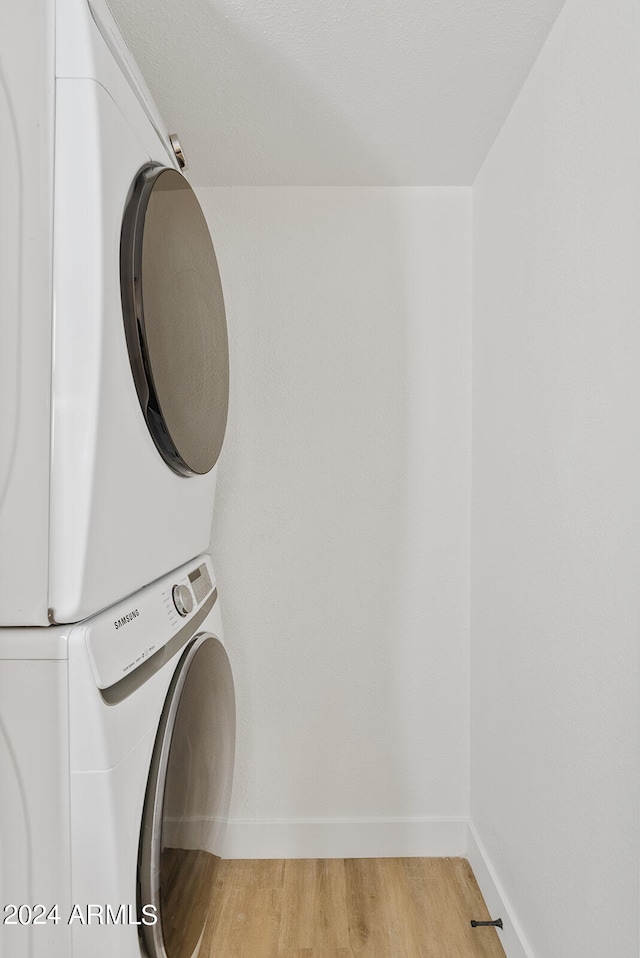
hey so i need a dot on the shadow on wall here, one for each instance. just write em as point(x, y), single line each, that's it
point(342, 485)
point(267, 98)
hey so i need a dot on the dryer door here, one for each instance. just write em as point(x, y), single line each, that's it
point(174, 320)
point(187, 802)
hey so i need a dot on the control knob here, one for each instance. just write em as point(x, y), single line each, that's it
point(182, 599)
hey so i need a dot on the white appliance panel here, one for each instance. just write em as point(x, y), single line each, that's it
point(26, 201)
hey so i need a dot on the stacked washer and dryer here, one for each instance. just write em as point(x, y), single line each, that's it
point(117, 712)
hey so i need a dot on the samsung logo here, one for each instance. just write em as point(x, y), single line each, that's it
point(126, 618)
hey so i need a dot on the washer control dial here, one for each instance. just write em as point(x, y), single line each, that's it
point(182, 599)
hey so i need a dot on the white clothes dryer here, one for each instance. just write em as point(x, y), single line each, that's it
point(116, 758)
point(115, 389)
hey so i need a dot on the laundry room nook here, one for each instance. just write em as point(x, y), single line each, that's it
point(319, 481)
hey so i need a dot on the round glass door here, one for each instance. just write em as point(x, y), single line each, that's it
point(187, 802)
point(174, 320)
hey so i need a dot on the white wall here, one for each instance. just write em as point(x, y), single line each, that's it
point(556, 492)
point(341, 527)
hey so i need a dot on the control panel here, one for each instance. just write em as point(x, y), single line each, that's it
point(127, 635)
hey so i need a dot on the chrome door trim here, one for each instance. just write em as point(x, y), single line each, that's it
point(155, 794)
point(150, 847)
point(131, 279)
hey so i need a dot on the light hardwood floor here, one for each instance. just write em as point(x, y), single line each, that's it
point(349, 908)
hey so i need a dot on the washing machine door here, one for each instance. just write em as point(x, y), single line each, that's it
point(174, 320)
point(187, 803)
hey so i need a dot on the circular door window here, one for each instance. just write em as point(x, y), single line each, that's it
point(187, 802)
point(174, 320)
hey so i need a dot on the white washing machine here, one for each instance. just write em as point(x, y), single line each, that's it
point(114, 375)
point(116, 758)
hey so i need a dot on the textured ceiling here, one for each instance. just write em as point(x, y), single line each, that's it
point(337, 92)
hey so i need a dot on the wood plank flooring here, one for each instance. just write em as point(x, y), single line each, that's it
point(348, 908)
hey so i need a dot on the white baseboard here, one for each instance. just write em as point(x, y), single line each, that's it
point(513, 941)
point(361, 838)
